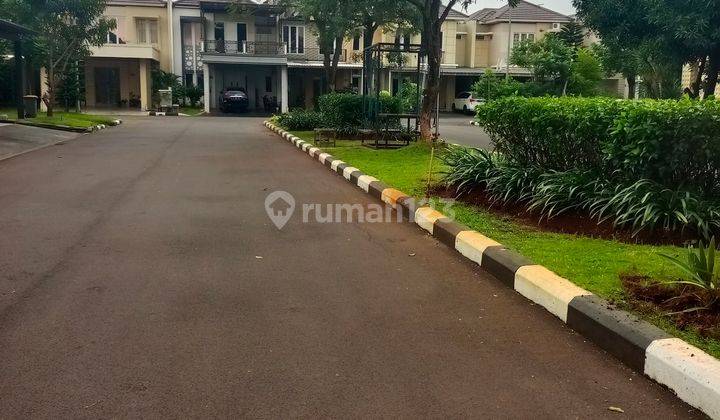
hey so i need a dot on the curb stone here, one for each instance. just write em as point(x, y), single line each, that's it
point(692, 374)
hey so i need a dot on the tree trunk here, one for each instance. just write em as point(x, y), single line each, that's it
point(433, 47)
point(697, 82)
point(329, 76)
point(632, 86)
point(712, 77)
point(334, 63)
point(51, 89)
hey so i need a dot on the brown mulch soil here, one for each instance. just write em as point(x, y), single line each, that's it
point(648, 296)
point(575, 223)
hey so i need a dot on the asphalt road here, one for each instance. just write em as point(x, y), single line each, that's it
point(141, 277)
point(456, 128)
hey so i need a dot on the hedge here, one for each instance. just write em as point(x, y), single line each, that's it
point(301, 120)
point(673, 143)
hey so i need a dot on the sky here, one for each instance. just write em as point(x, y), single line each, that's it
point(562, 6)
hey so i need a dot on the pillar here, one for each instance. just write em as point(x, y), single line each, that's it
point(145, 94)
point(19, 79)
point(283, 89)
point(43, 88)
point(206, 87)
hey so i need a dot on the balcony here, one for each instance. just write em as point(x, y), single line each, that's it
point(313, 55)
point(259, 48)
point(147, 51)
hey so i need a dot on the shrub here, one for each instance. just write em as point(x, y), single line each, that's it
point(342, 111)
point(701, 268)
point(300, 119)
point(639, 206)
point(673, 143)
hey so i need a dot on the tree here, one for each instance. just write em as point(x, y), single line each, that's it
point(549, 59)
point(660, 33)
point(66, 29)
point(586, 72)
point(618, 59)
point(572, 34)
point(371, 15)
point(333, 21)
point(432, 15)
point(490, 87)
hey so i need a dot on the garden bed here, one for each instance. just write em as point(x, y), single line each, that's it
point(63, 119)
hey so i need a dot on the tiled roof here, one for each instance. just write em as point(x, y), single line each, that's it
point(454, 14)
point(524, 12)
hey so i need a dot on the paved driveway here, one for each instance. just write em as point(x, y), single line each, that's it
point(456, 128)
point(141, 277)
point(16, 138)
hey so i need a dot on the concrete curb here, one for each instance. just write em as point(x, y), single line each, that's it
point(691, 373)
point(64, 127)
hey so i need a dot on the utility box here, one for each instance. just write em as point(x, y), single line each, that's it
point(165, 98)
point(31, 104)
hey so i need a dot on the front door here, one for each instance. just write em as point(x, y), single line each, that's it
point(107, 86)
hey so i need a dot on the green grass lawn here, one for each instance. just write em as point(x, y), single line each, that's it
point(594, 264)
point(71, 119)
point(191, 111)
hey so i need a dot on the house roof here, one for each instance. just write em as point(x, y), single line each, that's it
point(454, 14)
point(12, 31)
point(524, 12)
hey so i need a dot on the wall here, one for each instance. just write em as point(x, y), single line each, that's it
point(178, 14)
point(129, 77)
point(127, 16)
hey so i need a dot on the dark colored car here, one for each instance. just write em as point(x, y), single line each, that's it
point(233, 100)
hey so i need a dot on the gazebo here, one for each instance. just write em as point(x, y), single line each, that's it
point(16, 33)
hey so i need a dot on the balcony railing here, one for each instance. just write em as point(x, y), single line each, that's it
point(313, 54)
point(245, 47)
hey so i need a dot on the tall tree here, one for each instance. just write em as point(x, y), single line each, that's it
point(66, 31)
point(333, 22)
point(661, 32)
point(433, 14)
point(572, 34)
point(549, 59)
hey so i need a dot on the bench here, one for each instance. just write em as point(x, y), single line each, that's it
point(325, 136)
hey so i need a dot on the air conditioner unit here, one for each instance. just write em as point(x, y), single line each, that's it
point(555, 27)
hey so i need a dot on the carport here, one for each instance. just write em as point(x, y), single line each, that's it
point(16, 33)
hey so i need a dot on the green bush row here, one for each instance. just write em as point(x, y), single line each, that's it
point(675, 144)
point(343, 112)
point(300, 120)
point(637, 205)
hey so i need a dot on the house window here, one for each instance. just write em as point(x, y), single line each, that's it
point(356, 42)
point(147, 31)
point(294, 38)
point(113, 37)
point(268, 84)
point(520, 37)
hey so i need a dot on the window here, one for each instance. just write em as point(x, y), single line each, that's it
point(519, 37)
point(356, 42)
point(294, 39)
point(463, 95)
point(113, 37)
point(268, 84)
point(147, 31)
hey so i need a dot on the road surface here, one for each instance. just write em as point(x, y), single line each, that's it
point(141, 277)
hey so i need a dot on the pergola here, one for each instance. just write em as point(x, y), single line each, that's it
point(16, 33)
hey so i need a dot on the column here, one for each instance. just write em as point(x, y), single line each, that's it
point(194, 53)
point(43, 88)
point(145, 95)
point(283, 89)
point(206, 87)
point(19, 79)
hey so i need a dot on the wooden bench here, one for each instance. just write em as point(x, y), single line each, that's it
point(325, 136)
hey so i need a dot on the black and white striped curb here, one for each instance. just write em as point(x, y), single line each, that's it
point(691, 373)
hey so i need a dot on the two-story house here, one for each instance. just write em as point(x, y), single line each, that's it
point(274, 55)
point(118, 74)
